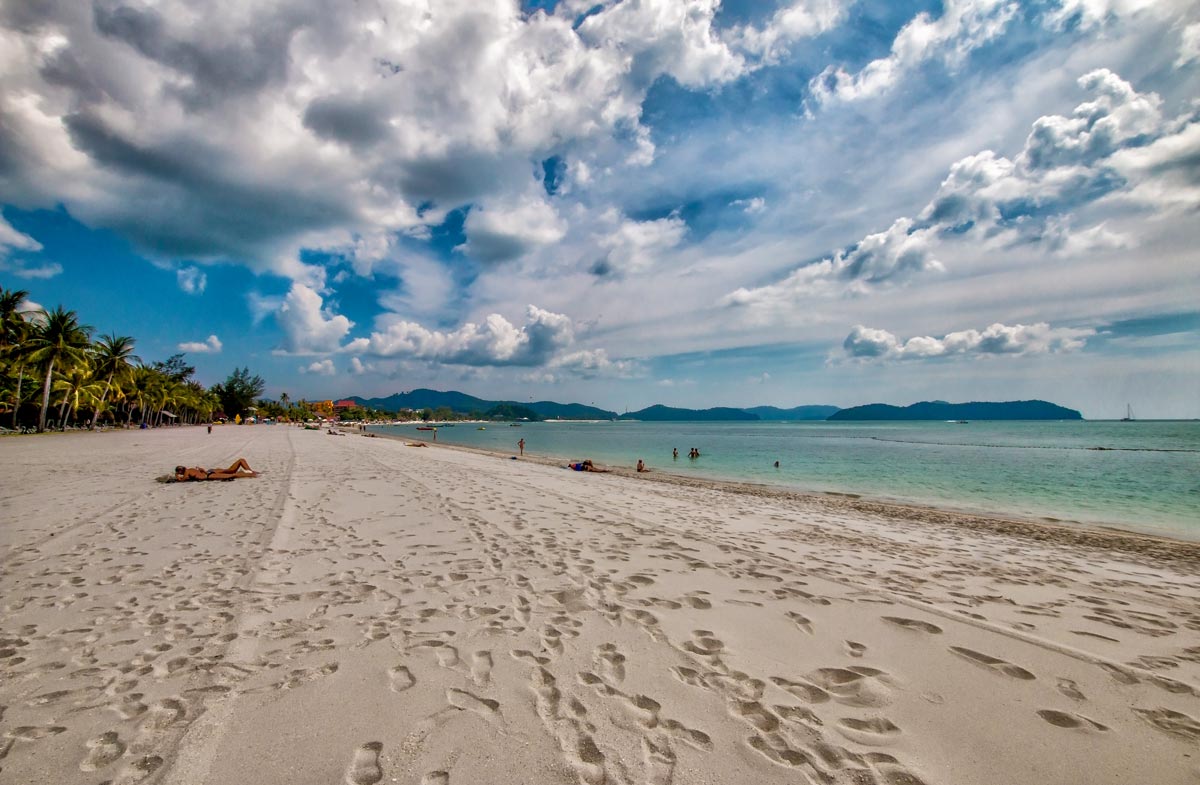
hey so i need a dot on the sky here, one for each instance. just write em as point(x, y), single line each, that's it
point(621, 203)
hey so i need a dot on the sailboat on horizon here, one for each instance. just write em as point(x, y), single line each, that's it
point(1128, 414)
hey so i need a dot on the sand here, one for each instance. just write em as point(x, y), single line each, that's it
point(368, 612)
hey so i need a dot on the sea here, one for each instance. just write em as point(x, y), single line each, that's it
point(1141, 475)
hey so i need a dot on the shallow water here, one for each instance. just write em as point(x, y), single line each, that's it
point(1137, 475)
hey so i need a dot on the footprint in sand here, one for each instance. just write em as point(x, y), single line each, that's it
point(994, 663)
point(809, 693)
point(481, 667)
point(704, 644)
point(695, 738)
point(436, 778)
point(447, 656)
point(34, 732)
point(1174, 722)
point(400, 678)
point(800, 714)
point(102, 750)
point(138, 770)
point(527, 656)
point(856, 685)
point(581, 753)
point(754, 713)
point(642, 708)
point(913, 624)
point(855, 649)
point(800, 621)
point(461, 699)
point(659, 759)
point(162, 715)
point(610, 662)
point(364, 766)
point(1062, 719)
point(874, 731)
point(1069, 688)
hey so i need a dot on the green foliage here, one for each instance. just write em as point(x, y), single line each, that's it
point(174, 368)
point(238, 393)
point(52, 373)
point(511, 411)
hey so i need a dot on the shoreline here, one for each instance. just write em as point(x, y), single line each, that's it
point(1104, 536)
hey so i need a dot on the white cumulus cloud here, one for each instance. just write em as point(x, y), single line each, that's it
point(1189, 45)
point(634, 246)
point(869, 343)
point(319, 368)
point(494, 342)
point(11, 239)
point(507, 231)
point(310, 328)
point(192, 280)
point(210, 345)
point(1116, 145)
point(963, 25)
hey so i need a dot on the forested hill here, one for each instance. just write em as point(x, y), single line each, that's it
point(795, 413)
point(462, 403)
point(975, 410)
point(660, 413)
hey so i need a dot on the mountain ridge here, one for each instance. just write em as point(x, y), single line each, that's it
point(973, 410)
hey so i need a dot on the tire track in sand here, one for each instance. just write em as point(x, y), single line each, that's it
point(198, 747)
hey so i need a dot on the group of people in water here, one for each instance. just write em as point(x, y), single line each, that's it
point(588, 466)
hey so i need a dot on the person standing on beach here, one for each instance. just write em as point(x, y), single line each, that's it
point(521, 446)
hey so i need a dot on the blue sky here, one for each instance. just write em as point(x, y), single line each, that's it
point(693, 203)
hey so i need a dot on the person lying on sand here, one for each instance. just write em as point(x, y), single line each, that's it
point(586, 466)
point(195, 474)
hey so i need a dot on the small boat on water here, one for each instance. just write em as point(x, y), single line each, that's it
point(1128, 414)
point(426, 428)
point(481, 428)
point(514, 425)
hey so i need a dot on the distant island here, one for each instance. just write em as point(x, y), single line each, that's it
point(975, 410)
point(438, 405)
point(795, 413)
point(660, 413)
point(468, 405)
point(461, 403)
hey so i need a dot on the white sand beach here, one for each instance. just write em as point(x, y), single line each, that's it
point(366, 612)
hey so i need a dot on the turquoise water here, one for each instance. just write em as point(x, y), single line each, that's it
point(1147, 477)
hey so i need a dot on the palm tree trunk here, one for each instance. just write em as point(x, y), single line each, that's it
point(100, 405)
point(17, 402)
point(45, 398)
point(62, 413)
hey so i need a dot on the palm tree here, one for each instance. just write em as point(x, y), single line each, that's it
point(77, 385)
point(58, 338)
point(14, 330)
point(114, 357)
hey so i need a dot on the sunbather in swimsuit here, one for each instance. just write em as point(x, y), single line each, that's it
point(195, 474)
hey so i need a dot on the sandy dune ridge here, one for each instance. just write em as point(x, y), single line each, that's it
point(367, 612)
